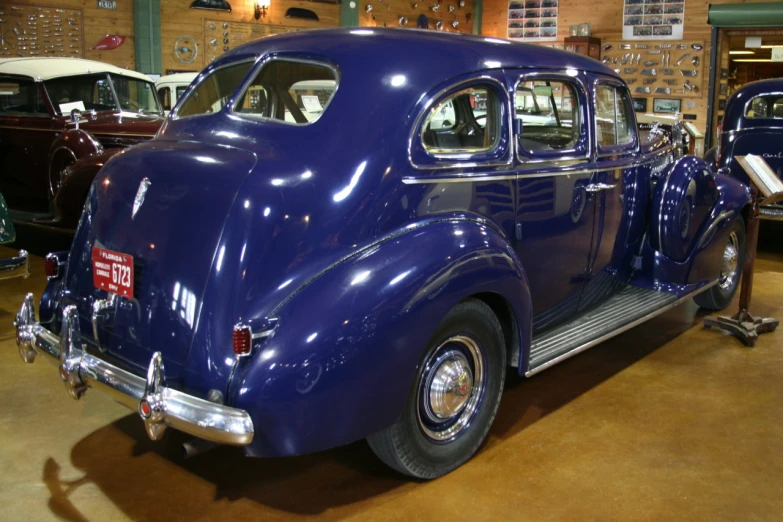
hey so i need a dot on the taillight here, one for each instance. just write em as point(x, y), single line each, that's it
point(51, 266)
point(243, 340)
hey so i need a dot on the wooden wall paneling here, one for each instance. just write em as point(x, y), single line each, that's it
point(178, 20)
point(387, 13)
point(605, 19)
point(94, 24)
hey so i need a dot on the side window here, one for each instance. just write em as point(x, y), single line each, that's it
point(466, 121)
point(613, 116)
point(294, 92)
point(180, 91)
point(770, 106)
point(21, 97)
point(212, 93)
point(549, 113)
point(164, 96)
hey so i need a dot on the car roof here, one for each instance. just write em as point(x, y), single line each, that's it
point(49, 68)
point(459, 53)
point(185, 77)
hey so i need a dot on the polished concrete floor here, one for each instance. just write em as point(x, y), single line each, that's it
point(668, 421)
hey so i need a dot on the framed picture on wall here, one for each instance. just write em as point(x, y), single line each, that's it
point(640, 104)
point(667, 105)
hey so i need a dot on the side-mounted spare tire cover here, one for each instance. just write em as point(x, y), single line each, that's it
point(681, 202)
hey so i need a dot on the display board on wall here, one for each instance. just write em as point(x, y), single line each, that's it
point(653, 19)
point(533, 20)
point(27, 30)
point(221, 36)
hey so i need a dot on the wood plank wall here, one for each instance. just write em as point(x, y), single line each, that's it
point(605, 19)
point(176, 20)
point(97, 24)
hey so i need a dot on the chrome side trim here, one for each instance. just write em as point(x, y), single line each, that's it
point(167, 407)
point(18, 266)
point(771, 213)
point(614, 333)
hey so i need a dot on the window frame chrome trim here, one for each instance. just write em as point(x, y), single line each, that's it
point(470, 159)
point(262, 62)
point(585, 92)
point(617, 149)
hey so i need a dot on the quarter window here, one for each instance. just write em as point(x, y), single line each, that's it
point(290, 91)
point(212, 93)
point(613, 117)
point(466, 121)
point(549, 113)
point(20, 97)
point(770, 106)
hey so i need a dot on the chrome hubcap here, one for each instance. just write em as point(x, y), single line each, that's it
point(730, 268)
point(451, 388)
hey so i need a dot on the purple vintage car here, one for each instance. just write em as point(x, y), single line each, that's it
point(352, 233)
point(752, 124)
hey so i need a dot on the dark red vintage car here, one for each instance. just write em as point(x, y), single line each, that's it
point(54, 113)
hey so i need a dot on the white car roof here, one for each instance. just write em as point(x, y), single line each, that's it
point(178, 78)
point(48, 68)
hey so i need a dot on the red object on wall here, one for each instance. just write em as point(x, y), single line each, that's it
point(108, 42)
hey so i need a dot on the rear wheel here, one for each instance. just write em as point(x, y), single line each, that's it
point(720, 295)
point(454, 397)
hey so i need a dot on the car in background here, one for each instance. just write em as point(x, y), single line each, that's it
point(290, 279)
point(55, 112)
point(19, 265)
point(752, 124)
point(171, 87)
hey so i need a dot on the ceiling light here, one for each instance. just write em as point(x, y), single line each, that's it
point(751, 59)
point(741, 52)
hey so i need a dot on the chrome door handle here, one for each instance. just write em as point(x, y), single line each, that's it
point(598, 187)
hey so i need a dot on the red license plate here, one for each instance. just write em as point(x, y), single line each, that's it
point(112, 271)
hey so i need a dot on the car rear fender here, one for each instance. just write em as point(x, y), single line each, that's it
point(341, 362)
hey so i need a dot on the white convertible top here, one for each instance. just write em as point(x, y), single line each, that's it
point(48, 68)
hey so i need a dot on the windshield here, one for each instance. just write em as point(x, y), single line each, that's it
point(90, 92)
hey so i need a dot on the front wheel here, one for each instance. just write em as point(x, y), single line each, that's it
point(719, 296)
point(454, 397)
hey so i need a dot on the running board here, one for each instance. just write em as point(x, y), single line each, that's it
point(628, 308)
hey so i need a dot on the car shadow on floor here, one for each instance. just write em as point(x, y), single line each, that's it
point(142, 477)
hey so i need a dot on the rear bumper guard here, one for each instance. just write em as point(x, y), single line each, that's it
point(158, 405)
point(18, 266)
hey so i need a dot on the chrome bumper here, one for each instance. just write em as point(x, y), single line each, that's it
point(18, 266)
point(773, 213)
point(158, 405)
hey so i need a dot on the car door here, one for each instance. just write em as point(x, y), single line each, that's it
point(611, 189)
point(27, 130)
point(554, 218)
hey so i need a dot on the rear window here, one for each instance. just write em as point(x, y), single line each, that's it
point(769, 106)
point(213, 92)
point(290, 91)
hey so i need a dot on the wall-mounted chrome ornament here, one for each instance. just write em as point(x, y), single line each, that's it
point(435, 8)
point(212, 5)
point(368, 8)
point(461, 4)
point(403, 20)
point(455, 24)
point(451, 8)
point(438, 25)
